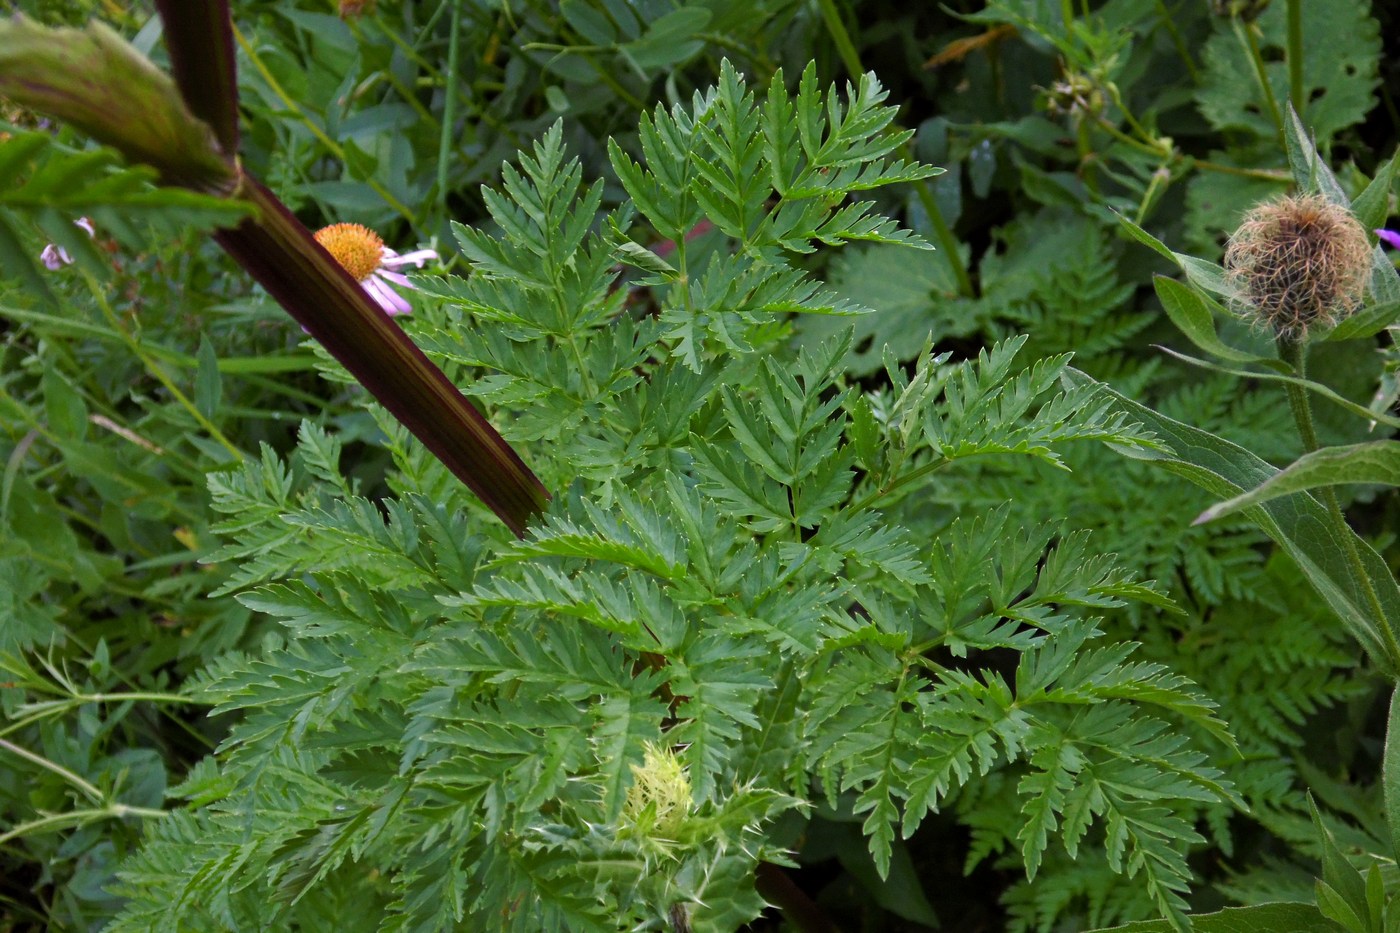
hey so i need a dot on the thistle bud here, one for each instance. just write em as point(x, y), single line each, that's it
point(658, 802)
point(1298, 263)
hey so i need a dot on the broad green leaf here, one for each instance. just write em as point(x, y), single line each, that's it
point(1190, 312)
point(1375, 462)
point(1390, 773)
point(1364, 599)
point(592, 24)
point(1341, 48)
point(670, 40)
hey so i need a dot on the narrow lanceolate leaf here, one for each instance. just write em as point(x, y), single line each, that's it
point(1374, 462)
point(1193, 316)
point(282, 255)
point(93, 79)
point(1367, 600)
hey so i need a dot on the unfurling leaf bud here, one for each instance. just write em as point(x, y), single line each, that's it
point(1298, 263)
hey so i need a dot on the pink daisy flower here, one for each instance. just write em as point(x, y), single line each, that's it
point(363, 254)
point(55, 256)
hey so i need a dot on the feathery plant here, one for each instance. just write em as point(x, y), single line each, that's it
point(722, 626)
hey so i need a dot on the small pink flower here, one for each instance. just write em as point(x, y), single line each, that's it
point(363, 254)
point(1389, 237)
point(56, 257)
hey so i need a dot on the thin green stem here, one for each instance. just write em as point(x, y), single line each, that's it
point(1263, 174)
point(1179, 42)
point(1294, 352)
point(917, 473)
point(449, 107)
point(1245, 33)
point(1295, 54)
point(83, 785)
point(947, 242)
point(57, 821)
point(841, 38)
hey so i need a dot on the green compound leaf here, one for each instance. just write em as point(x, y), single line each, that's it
point(915, 296)
point(1376, 462)
point(1341, 46)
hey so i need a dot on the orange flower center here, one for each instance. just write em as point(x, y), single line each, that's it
point(357, 248)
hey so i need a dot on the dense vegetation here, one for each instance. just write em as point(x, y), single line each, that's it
point(879, 360)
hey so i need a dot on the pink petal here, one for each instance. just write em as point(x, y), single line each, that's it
point(54, 257)
point(1390, 237)
point(398, 278)
point(393, 260)
point(86, 225)
point(387, 298)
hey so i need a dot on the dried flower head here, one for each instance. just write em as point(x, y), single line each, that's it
point(1298, 263)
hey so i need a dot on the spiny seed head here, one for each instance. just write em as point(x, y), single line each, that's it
point(1298, 263)
point(357, 248)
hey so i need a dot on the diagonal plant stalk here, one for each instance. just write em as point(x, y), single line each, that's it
point(187, 129)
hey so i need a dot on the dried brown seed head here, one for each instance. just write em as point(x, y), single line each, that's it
point(1298, 263)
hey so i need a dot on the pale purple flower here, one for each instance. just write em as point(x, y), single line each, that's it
point(55, 256)
point(363, 254)
point(1389, 237)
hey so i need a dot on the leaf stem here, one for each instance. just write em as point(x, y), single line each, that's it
point(83, 785)
point(1294, 352)
point(79, 817)
point(841, 38)
point(947, 242)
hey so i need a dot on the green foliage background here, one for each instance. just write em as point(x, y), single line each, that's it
point(170, 439)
